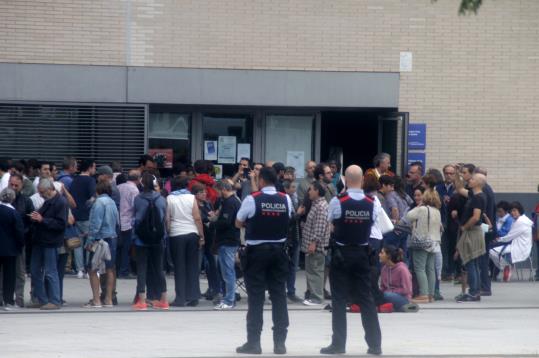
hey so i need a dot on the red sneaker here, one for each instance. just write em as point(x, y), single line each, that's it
point(385, 308)
point(139, 306)
point(506, 273)
point(355, 308)
point(161, 305)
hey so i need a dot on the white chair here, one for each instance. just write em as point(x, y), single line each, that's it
point(519, 267)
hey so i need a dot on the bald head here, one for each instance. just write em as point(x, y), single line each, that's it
point(354, 177)
point(309, 168)
point(478, 181)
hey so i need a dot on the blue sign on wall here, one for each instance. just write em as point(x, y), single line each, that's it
point(418, 157)
point(417, 136)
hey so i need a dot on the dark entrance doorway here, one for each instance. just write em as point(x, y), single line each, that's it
point(356, 137)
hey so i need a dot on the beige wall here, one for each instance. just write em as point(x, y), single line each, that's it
point(475, 79)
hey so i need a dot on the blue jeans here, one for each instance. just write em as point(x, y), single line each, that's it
point(227, 260)
point(474, 281)
point(80, 255)
point(293, 262)
point(396, 299)
point(44, 267)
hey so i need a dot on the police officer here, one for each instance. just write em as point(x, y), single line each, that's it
point(264, 260)
point(352, 214)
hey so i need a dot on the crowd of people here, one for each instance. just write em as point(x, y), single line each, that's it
point(102, 224)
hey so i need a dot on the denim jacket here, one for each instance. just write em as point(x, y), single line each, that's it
point(103, 219)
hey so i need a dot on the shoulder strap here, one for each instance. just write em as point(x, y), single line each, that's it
point(428, 218)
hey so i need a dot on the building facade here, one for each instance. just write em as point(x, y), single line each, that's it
point(294, 80)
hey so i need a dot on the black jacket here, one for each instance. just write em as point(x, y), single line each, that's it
point(11, 232)
point(50, 232)
point(226, 233)
point(24, 206)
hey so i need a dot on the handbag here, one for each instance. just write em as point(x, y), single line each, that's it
point(384, 223)
point(73, 239)
point(421, 241)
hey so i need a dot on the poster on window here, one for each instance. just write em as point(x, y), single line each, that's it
point(218, 171)
point(296, 159)
point(244, 151)
point(162, 157)
point(226, 150)
point(210, 150)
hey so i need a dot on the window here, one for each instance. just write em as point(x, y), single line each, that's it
point(289, 139)
point(51, 132)
point(169, 133)
point(228, 126)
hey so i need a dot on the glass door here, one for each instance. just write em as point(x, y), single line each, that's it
point(393, 139)
point(289, 139)
point(227, 137)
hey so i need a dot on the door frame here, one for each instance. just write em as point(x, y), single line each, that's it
point(403, 118)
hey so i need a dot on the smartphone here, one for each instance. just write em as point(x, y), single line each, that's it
point(246, 172)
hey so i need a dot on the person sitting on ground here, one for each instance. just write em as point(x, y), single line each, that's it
point(516, 246)
point(396, 280)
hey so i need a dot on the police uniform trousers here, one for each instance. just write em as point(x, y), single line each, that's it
point(266, 267)
point(350, 277)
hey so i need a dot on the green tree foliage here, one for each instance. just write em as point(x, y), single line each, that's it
point(469, 6)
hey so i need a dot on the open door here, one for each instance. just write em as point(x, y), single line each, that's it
point(393, 139)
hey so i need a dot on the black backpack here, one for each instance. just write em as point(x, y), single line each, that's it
point(151, 229)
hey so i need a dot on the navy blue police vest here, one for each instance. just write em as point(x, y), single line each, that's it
point(354, 225)
point(270, 221)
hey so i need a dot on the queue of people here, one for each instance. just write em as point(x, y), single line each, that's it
point(104, 224)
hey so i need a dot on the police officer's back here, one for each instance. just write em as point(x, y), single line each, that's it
point(352, 214)
point(264, 260)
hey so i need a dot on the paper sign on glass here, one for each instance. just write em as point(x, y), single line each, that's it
point(226, 150)
point(210, 150)
point(296, 159)
point(244, 151)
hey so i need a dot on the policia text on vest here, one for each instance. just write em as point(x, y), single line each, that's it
point(264, 260)
point(352, 214)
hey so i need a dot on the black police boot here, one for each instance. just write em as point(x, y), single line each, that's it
point(249, 348)
point(374, 351)
point(279, 348)
point(331, 349)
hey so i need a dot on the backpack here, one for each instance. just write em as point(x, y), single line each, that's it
point(151, 230)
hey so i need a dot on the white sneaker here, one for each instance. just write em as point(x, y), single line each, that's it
point(222, 307)
point(8, 307)
point(87, 276)
point(310, 302)
point(80, 274)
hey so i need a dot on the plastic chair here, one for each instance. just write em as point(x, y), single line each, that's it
point(519, 267)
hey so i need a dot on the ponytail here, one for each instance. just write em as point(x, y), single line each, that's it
point(395, 254)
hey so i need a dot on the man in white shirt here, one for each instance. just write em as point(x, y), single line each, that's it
point(4, 174)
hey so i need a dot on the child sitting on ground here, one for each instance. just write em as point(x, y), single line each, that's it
point(396, 280)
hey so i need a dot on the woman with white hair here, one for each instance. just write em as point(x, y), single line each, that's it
point(11, 243)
